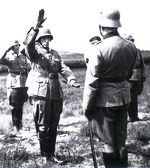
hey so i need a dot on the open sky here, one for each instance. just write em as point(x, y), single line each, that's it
point(72, 22)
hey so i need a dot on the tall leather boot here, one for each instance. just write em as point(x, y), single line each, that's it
point(14, 116)
point(51, 143)
point(110, 159)
point(47, 142)
point(133, 109)
point(36, 125)
point(19, 118)
point(123, 157)
point(43, 143)
point(43, 148)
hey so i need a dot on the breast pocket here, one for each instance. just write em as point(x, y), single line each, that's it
point(38, 88)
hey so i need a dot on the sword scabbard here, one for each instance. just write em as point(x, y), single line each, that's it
point(92, 144)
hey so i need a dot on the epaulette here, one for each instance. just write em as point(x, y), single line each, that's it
point(54, 52)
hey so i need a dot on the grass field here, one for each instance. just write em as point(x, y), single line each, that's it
point(73, 138)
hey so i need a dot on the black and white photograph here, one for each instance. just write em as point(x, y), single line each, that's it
point(74, 84)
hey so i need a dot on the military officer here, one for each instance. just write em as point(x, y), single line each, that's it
point(44, 86)
point(136, 81)
point(16, 79)
point(107, 94)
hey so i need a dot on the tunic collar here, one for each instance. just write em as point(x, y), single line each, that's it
point(111, 34)
point(39, 47)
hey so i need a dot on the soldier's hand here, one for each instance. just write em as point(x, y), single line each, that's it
point(9, 48)
point(41, 19)
point(74, 83)
point(88, 114)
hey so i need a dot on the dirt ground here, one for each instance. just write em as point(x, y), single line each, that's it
point(67, 128)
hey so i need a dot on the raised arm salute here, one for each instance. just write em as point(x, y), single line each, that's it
point(44, 87)
point(16, 89)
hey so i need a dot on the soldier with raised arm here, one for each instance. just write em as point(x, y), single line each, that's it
point(44, 87)
point(16, 79)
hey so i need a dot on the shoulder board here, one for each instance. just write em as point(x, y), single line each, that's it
point(54, 52)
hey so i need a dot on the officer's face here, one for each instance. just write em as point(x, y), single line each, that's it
point(45, 41)
point(16, 48)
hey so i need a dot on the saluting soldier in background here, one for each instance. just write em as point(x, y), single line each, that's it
point(107, 94)
point(16, 89)
point(44, 86)
point(136, 81)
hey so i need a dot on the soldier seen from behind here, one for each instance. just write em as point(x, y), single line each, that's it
point(107, 94)
point(16, 90)
point(44, 87)
point(136, 82)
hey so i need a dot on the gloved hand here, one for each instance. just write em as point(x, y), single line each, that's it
point(9, 48)
point(74, 83)
point(40, 19)
point(88, 114)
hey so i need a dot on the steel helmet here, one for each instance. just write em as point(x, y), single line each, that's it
point(110, 18)
point(129, 37)
point(44, 32)
point(15, 42)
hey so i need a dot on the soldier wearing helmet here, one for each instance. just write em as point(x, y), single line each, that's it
point(136, 82)
point(44, 32)
point(16, 90)
point(107, 94)
point(44, 87)
point(95, 40)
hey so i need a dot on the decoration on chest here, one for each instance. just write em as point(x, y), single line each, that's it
point(46, 54)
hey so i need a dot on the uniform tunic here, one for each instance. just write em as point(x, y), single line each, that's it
point(46, 91)
point(43, 81)
point(106, 88)
point(16, 89)
point(46, 66)
point(17, 69)
point(136, 88)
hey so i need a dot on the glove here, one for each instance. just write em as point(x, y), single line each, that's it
point(9, 48)
point(41, 19)
point(88, 114)
point(74, 83)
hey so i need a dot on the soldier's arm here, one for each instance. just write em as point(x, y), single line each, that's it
point(134, 50)
point(68, 75)
point(30, 43)
point(32, 34)
point(143, 68)
point(2, 59)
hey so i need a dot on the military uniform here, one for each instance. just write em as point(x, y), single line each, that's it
point(136, 81)
point(16, 89)
point(45, 90)
point(106, 82)
point(107, 93)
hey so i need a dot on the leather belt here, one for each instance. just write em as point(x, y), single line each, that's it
point(18, 73)
point(112, 80)
point(53, 76)
point(46, 75)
